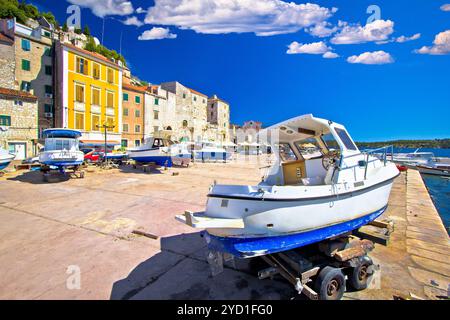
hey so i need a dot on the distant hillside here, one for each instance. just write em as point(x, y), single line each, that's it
point(437, 144)
point(23, 11)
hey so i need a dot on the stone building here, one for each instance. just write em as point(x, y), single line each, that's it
point(160, 113)
point(34, 65)
point(18, 109)
point(219, 115)
point(191, 117)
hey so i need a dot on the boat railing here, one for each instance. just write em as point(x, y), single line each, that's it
point(383, 151)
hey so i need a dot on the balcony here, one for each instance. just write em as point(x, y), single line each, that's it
point(96, 109)
point(79, 106)
point(110, 111)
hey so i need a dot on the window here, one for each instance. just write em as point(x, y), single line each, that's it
point(47, 34)
point(26, 45)
point(79, 120)
point(26, 65)
point(137, 128)
point(195, 98)
point(184, 95)
point(95, 123)
point(48, 108)
point(155, 115)
point(79, 93)
point(96, 96)
point(343, 135)
point(95, 70)
point(48, 51)
point(125, 97)
point(110, 123)
point(48, 89)
point(25, 86)
point(124, 143)
point(18, 102)
point(156, 102)
point(137, 99)
point(48, 70)
point(110, 75)
point(330, 142)
point(155, 129)
point(110, 99)
point(309, 148)
point(5, 120)
point(125, 127)
point(137, 113)
point(286, 153)
point(137, 143)
point(82, 66)
point(125, 112)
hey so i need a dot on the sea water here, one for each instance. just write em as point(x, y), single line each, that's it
point(438, 187)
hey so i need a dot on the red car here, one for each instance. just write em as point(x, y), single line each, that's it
point(91, 155)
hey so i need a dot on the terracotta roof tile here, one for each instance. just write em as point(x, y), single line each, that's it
point(199, 93)
point(127, 86)
point(11, 93)
point(89, 53)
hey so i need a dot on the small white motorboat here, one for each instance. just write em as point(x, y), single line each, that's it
point(303, 199)
point(161, 151)
point(434, 168)
point(61, 148)
point(5, 158)
point(209, 151)
point(413, 158)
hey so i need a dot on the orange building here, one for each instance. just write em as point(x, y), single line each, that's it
point(133, 98)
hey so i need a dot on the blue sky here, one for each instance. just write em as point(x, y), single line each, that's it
point(389, 91)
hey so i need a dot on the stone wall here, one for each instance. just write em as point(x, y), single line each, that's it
point(23, 123)
point(7, 65)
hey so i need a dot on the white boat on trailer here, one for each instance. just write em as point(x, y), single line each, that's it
point(5, 158)
point(302, 199)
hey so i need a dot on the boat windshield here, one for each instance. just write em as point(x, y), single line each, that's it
point(308, 148)
point(285, 152)
point(330, 142)
point(61, 144)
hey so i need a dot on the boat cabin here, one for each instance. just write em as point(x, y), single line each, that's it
point(307, 151)
point(61, 139)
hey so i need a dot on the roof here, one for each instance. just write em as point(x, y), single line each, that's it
point(215, 97)
point(130, 87)
point(198, 93)
point(61, 133)
point(94, 55)
point(16, 94)
point(5, 38)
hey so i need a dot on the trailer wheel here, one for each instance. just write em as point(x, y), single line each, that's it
point(330, 284)
point(359, 276)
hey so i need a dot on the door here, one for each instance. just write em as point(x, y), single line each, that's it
point(19, 149)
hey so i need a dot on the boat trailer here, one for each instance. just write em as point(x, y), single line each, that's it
point(322, 270)
point(70, 172)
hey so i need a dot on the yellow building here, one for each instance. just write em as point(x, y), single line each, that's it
point(88, 94)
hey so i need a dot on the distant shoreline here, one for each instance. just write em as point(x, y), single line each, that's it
point(434, 144)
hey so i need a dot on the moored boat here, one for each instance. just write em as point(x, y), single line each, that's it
point(162, 152)
point(61, 148)
point(209, 151)
point(302, 199)
point(435, 169)
point(5, 158)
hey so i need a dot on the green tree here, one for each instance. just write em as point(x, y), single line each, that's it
point(65, 28)
point(86, 31)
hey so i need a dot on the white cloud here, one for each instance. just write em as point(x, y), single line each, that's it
point(376, 57)
point(140, 10)
point(378, 30)
point(445, 7)
point(157, 34)
point(330, 55)
point(322, 29)
point(262, 17)
point(308, 48)
point(402, 39)
point(441, 45)
point(102, 8)
point(133, 21)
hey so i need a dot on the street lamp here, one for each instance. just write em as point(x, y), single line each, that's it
point(105, 127)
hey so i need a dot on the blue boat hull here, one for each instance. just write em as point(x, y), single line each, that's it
point(60, 164)
point(159, 160)
point(212, 156)
point(256, 246)
point(3, 165)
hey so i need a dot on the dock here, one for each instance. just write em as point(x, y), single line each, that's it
point(112, 235)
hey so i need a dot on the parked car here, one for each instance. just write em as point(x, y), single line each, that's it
point(92, 155)
point(31, 160)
